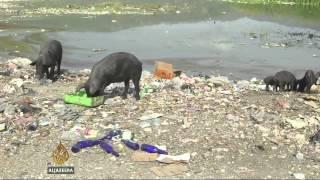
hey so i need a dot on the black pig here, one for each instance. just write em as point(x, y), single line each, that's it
point(307, 81)
point(116, 67)
point(284, 78)
point(50, 56)
point(268, 81)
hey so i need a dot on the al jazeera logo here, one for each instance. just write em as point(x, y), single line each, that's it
point(60, 155)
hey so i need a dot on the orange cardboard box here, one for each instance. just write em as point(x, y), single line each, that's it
point(163, 70)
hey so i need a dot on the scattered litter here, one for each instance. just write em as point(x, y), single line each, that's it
point(310, 98)
point(297, 123)
point(299, 176)
point(299, 156)
point(315, 137)
point(150, 116)
point(168, 159)
point(3, 127)
point(20, 62)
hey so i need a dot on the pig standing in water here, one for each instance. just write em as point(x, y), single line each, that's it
point(116, 67)
point(50, 56)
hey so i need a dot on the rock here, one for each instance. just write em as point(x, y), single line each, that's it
point(299, 176)
point(219, 81)
point(20, 62)
point(299, 156)
point(297, 124)
point(3, 127)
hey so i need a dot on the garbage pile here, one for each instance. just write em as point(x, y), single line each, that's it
point(209, 121)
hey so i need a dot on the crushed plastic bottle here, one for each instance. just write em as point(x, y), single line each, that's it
point(152, 149)
point(130, 144)
point(84, 144)
point(108, 148)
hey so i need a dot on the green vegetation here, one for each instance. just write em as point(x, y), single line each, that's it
point(308, 3)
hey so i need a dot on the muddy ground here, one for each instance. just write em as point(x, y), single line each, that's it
point(230, 129)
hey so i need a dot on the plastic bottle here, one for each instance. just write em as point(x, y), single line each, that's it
point(130, 144)
point(84, 144)
point(152, 149)
point(108, 148)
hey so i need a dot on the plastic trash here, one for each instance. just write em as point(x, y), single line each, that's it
point(111, 134)
point(316, 137)
point(152, 149)
point(130, 144)
point(84, 144)
point(33, 126)
point(108, 148)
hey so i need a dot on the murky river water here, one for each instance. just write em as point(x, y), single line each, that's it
point(207, 36)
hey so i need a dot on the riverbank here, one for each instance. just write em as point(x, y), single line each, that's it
point(232, 129)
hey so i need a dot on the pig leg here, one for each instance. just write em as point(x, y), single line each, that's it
point(267, 87)
point(282, 86)
point(51, 72)
point(47, 72)
point(136, 81)
point(58, 67)
point(126, 87)
point(308, 88)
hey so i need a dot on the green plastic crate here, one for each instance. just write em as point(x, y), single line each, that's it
point(80, 98)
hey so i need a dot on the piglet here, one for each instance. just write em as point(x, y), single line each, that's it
point(50, 56)
point(116, 67)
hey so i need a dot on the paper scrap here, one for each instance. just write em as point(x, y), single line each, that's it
point(143, 156)
point(185, 158)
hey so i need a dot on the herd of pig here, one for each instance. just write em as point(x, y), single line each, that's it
point(123, 67)
point(285, 80)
